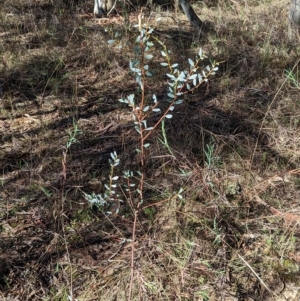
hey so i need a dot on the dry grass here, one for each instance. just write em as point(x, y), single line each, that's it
point(235, 233)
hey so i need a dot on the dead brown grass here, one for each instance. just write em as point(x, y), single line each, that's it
point(235, 233)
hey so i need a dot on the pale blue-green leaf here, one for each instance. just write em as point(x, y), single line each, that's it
point(146, 67)
point(191, 77)
point(149, 44)
point(136, 70)
point(123, 100)
point(156, 110)
point(130, 97)
point(216, 69)
point(133, 65)
point(195, 82)
point(191, 62)
point(113, 185)
point(110, 41)
point(146, 145)
point(164, 64)
point(179, 101)
point(199, 78)
point(115, 178)
point(208, 68)
point(154, 98)
point(171, 108)
point(181, 77)
point(163, 53)
point(188, 87)
point(106, 187)
point(171, 76)
point(174, 65)
point(146, 109)
point(171, 95)
point(150, 30)
point(179, 93)
point(148, 56)
point(150, 128)
point(137, 129)
point(200, 53)
point(149, 73)
point(139, 81)
point(138, 150)
point(144, 122)
point(169, 116)
point(203, 72)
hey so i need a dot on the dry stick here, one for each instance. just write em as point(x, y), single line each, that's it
point(268, 109)
point(63, 182)
point(70, 266)
point(248, 265)
point(257, 276)
point(132, 256)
